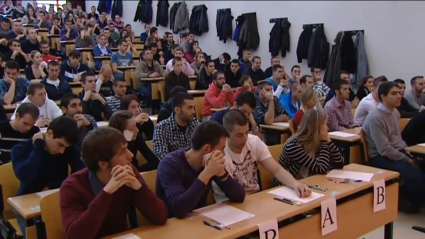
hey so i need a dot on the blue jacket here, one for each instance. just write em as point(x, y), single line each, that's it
point(98, 52)
point(57, 93)
point(286, 101)
point(37, 169)
point(270, 79)
point(68, 73)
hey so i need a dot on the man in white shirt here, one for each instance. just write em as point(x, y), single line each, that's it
point(47, 108)
point(244, 151)
point(368, 103)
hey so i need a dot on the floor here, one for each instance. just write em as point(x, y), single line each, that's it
point(402, 227)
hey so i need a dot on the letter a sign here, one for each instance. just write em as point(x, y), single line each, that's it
point(379, 195)
point(328, 222)
point(268, 230)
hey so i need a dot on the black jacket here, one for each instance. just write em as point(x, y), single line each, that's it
point(117, 8)
point(165, 111)
point(203, 80)
point(140, 145)
point(198, 22)
point(279, 38)
point(406, 110)
point(318, 49)
point(348, 54)
point(95, 108)
point(173, 12)
point(249, 37)
point(362, 92)
point(414, 132)
point(144, 12)
point(233, 79)
point(172, 80)
point(303, 43)
point(223, 23)
point(162, 13)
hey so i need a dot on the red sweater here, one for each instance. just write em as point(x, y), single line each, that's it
point(216, 98)
point(85, 215)
point(298, 117)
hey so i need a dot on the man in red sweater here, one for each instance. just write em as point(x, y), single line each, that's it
point(218, 95)
point(95, 201)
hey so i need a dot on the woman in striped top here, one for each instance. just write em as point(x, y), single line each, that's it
point(311, 151)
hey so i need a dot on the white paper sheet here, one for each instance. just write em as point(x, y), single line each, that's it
point(289, 193)
point(342, 134)
point(224, 214)
point(284, 124)
point(350, 175)
point(128, 236)
point(153, 118)
point(102, 123)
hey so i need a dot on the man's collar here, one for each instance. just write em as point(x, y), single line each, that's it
point(96, 185)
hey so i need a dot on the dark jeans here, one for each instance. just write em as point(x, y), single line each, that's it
point(413, 187)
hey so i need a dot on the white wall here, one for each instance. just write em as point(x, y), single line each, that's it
point(394, 35)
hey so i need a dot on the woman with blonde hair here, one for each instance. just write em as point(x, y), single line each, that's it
point(38, 69)
point(310, 151)
point(308, 101)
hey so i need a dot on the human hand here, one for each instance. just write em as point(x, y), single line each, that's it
point(247, 86)
point(227, 87)
point(120, 177)
point(87, 95)
point(214, 164)
point(283, 82)
point(302, 190)
point(130, 180)
point(82, 119)
point(142, 118)
point(39, 135)
point(9, 80)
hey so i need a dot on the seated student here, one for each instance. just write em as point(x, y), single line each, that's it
point(110, 42)
point(305, 154)
point(366, 87)
point(199, 62)
point(55, 87)
point(91, 200)
point(147, 67)
point(343, 75)
point(244, 152)
point(268, 108)
point(144, 123)
point(278, 81)
point(245, 60)
point(233, 74)
point(273, 61)
point(121, 58)
point(295, 75)
point(144, 35)
point(16, 54)
point(291, 101)
point(308, 101)
point(386, 147)
point(93, 103)
point(68, 33)
point(185, 175)
point(120, 89)
point(43, 161)
point(45, 52)
point(49, 110)
point(38, 69)
point(101, 50)
point(307, 82)
point(405, 109)
point(319, 86)
point(15, 131)
point(414, 132)
point(13, 88)
point(205, 76)
point(124, 121)
point(369, 103)
point(415, 96)
point(31, 43)
point(166, 108)
point(176, 77)
point(104, 82)
point(222, 63)
point(244, 102)
point(246, 85)
point(338, 108)
point(186, 68)
point(84, 39)
point(175, 132)
point(71, 106)
point(72, 69)
point(218, 95)
point(255, 71)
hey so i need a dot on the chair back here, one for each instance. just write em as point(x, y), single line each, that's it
point(9, 186)
point(150, 180)
point(140, 157)
point(364, 143)
point(292, 127)
point(199, 101)
point(403, 123)
point(51, 216)
point(266, 179)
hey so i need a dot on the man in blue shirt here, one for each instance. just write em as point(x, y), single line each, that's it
point(291, 101)
point(68, 33)
point(13, 88)
point(122, 58)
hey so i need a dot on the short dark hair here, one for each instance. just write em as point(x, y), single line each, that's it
point(226, 56)
point(120, 42)
point(303, 79)
point(33, 87)
point(93, 148)
point(246, 97)
point(177, 89)
point(116, 80)
point(119, 119)
point(176, 59)
point(52, 63)
point(414, 79)
point(343, 72)
point(69, 132)
point(28, 108)
point(126, 100)
point(179, 98)
point(295, 66)
point(11, 41)
point(43, 42)
point(208, 132)
point(152, 45)
point(255, 58)
point(66, 99)
point(234, 117)
point(378, 80)
point(385, 88)
point(12, 65)
point(74, 53)
point(243, 79)
point(339, 83)
point(85, 75)
point(209, 61)
point(235, 61)
point(277, 67)
point(217, 73)
point(399, 81)
point(153, 30)
point(262, 84)
point(314, 68)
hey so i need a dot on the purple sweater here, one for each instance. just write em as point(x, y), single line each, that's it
point(179, 187)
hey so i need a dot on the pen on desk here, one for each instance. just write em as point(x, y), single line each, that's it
point(285, 200)
point(211, 225)
point(317, 187)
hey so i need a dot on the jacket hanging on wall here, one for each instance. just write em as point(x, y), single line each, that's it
point(181, 20)
point(362, 62)
point(198, 22)
point(248, 37)
point(144, 11)
point(104, 6)
point(223, 23)
point(279, 38)
point(162, 13)
point(318, 49)
point(117, 8)
point(173, 12)
point(303, 43)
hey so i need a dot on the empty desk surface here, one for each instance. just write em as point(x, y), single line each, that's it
point(28, 205)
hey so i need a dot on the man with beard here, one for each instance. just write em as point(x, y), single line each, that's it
point(415, 96)
point(218, 95)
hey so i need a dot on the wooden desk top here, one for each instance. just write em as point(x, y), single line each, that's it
point(354, 138)
point(196, 92)
point(269, 209)
point(28, 205)
point(418, 149)
point(281, 126)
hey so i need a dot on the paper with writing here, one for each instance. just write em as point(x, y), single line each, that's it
point(350, 175)
point(379, 196)
point(269, 230)
point(224, 214)
point(328, 221)
point(289, 193)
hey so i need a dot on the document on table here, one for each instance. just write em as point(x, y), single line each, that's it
point(153, 118)
point(289, 193)
point(224, 214)
point(350, 175)
point(128, 236)
point(284, 124)
point(342, 134)
point(102, 123)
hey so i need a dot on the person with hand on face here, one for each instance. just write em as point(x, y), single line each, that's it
point(71, 106)
point(55, 28)
point(198, 63)
point(38, 69)
point(13, 88)
point(124, 121)
point(291, 101)
point(84, 39)
point(255, 71)
point(17, 130)
point(218, 95)
point(47, 107)
point(16, 54)
point(268, 109)
point(176, 77)
point(185, 175)
point(233, 74)
point(32, 43)
point(310, 151)
point(246, 85)
point(44, 161)
point(68, 33)
point(296, 75)
point(72, 69)
point(144, 123)
point(93, 103)
point(95, 201)
point(205, 76)
point(17, 32)
point(278, 81)
point(186, 68)
point(145, 34)
point(104, 82)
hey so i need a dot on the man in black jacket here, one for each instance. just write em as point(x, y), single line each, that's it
point(205, 76)
point(405, 109)
point(274, 61)
point(222, 62)
point(245, 60)
point(255, 71)
point(176, 77)
point(233, 74)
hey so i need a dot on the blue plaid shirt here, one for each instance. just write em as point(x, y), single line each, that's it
point(261, 109)
point(20, 89)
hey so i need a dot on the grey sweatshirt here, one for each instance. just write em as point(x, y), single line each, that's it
point(383, 135)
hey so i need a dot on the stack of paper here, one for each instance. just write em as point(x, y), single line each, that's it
point(224, 214)
point(350, 175)
point(341, 134)
point(289, 193)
